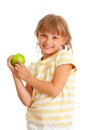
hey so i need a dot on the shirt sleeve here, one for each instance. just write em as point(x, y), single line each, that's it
point(66, 57)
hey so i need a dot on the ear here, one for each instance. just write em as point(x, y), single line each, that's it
point(37, 35)
point(64, 40)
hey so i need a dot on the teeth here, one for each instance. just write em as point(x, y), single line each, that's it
point(47, 47)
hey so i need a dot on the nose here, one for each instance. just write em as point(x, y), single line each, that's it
point(49, 40)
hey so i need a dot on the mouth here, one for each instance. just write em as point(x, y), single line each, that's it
point(47, 47)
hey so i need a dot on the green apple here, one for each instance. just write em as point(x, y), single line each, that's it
point(17, 58)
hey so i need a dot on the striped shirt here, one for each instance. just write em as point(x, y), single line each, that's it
point(47, 110)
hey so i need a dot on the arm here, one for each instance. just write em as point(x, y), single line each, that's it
point(24, 93)
point(51, 88)
point(54, 87)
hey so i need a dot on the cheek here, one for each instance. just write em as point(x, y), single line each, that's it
point(41, 41)
point(58, 45)
point(40, 44)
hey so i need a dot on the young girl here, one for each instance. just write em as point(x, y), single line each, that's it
point(50, 81)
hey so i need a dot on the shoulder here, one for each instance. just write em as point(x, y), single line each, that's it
point(65, 57)
point(66, 52)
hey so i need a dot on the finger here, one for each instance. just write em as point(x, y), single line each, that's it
point(20, 63)
point(9, 58)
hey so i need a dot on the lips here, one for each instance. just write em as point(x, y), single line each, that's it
point(47, 47)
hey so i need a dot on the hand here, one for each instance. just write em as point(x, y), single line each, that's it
point(22, 71)
point(11, 67)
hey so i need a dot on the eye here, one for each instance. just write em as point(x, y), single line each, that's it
point(43, 35)
point(55, 37)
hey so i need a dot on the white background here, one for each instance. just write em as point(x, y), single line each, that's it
point(18, 20)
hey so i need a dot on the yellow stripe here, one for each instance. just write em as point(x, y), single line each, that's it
point(49, 98)
point(64, 124)
point(50, 111)
point(53, 103)
point(71, 80)
point(68, 94)
point(69, 87)
point(49, 118)
point(42, 98)
point(68, 61)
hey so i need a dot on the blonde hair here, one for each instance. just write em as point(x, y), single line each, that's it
point(55, 24)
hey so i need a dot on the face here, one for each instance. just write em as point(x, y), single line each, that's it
point(50, 43)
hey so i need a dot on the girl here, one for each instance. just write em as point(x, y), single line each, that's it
point(50, 81)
